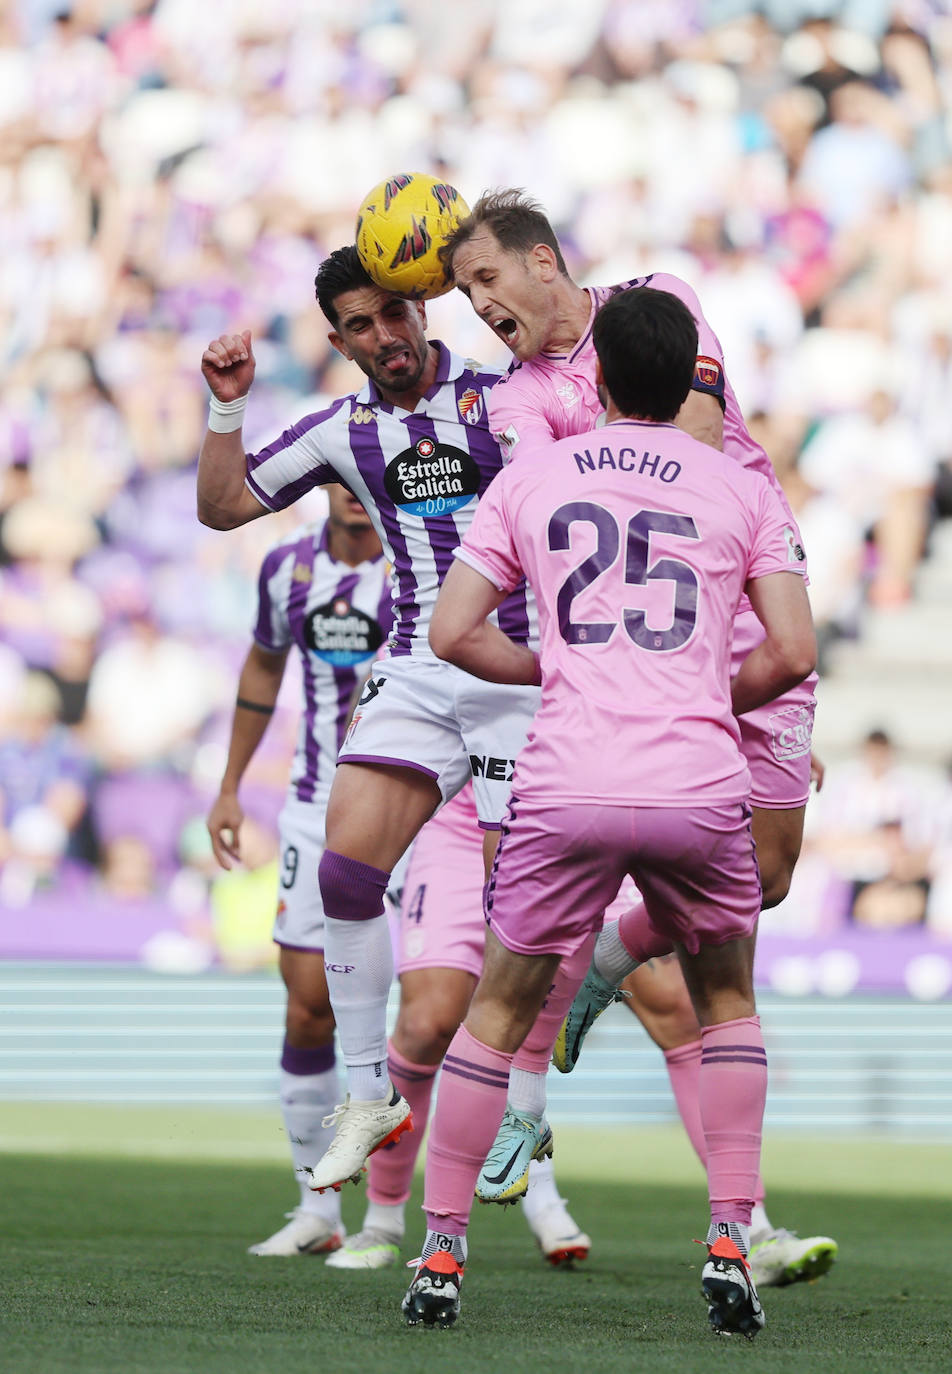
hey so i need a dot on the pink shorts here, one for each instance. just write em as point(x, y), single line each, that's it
point(558, 867)
point(775, 739)
point(441, 922)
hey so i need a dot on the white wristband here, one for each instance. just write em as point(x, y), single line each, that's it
point(224, 417)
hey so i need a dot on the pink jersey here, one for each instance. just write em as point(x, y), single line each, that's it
point(553, 395)
point(637, 541)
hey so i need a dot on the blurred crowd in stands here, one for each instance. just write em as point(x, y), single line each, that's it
point(169, 171)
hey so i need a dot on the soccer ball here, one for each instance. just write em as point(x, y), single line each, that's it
point(400, 227)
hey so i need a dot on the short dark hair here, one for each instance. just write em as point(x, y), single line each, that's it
point(646, 342)
point(515, 220)
point(340, 271)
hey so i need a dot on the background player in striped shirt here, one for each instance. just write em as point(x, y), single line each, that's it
point(506, 259)
point(322, 591)
point(413, 445)
point(638, 542)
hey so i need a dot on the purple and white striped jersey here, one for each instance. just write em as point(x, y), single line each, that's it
point(419, 475)
point(337, 617)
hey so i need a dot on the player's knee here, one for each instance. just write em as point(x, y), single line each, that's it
point(775, 883)
point(778, 836)
point(309, 1024)
point(350, 890)
point(424, 1030)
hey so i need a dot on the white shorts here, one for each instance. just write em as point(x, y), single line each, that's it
point(299, 923)
point(428, 715)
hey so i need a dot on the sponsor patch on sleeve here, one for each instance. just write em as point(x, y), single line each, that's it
point(509, 438)
point(795, 550)
point(709, 376)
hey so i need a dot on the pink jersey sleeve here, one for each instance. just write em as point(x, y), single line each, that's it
point(519, 411)
point(488, 545)
point(776, 546)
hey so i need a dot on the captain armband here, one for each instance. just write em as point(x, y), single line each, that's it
point(709, 378)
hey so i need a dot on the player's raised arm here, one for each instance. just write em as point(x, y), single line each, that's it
point(224, 502)
point(788, 654)
point(461, 634)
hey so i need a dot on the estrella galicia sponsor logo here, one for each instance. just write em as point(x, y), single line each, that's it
point(795, 550)
point(340, 968)
point(432, 479)
point(339, 634)
point(791, 732)
point(496, 770)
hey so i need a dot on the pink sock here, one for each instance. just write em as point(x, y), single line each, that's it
point(684, 1071)
point(732, 1091)
point(535, 1051)
point(469, 1108)
point(639, 937)
point(391, 1169)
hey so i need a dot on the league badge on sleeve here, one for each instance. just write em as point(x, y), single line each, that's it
point(795, 550)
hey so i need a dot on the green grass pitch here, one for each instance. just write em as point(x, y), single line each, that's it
point(124, 1234)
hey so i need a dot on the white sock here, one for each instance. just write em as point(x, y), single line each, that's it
point(358, 957)
point(526, 1095)
point(305, 1100)
point(759, 1222)
point(440, 1240)
point(611, 959)
point(737, 1231)
point(386, 1217)
point(542, 1192)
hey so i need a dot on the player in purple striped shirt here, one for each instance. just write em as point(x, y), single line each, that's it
point(414, 447)
point(323, 591)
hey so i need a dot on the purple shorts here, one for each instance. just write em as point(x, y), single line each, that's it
point(558, 867)
point(441, 922)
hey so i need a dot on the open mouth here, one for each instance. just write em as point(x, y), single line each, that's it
point(506, 326)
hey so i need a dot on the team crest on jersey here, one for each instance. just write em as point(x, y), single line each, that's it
point(791, 732)
point(470, 406)
point(567, 393)
point(361, 416)
point(708, 373)
point(301, 573)
point(339, 634)
point(795, 550)
point(432, 479)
